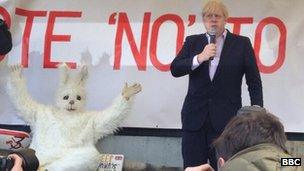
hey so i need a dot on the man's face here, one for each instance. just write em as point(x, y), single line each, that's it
point(216, 20)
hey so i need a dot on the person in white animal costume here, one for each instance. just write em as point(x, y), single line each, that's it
point(64, 135)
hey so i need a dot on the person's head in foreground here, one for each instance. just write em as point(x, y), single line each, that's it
point(251, 126)
point(254, 140)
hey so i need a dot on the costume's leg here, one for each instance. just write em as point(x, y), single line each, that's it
point(77, 159)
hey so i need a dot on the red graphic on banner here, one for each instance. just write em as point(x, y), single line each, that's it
point(140, 55)
point(282, 44)
point(154, 38)
point(50, 37)
point(30, 15)
point(237, 23)
point(123, 26)
point(146, 47)
point(15, 142)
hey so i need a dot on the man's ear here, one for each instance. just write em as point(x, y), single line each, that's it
point(221, 162)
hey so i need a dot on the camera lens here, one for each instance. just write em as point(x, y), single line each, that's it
point(6, 163)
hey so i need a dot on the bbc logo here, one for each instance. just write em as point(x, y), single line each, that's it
point(290, 161)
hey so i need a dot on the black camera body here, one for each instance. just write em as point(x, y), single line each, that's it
point(6, 163)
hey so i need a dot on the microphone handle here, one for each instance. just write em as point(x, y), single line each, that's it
point(212, 40)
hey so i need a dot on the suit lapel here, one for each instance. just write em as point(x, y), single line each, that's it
point(203, 41)
point(205, 65)
point(229, 41)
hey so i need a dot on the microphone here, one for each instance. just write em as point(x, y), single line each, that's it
point(212, 34)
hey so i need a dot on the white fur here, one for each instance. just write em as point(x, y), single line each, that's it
point(65, 140)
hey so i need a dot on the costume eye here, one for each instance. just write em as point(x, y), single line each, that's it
point(78, 97)
point(66, 97)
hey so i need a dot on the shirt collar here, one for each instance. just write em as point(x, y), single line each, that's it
point(223, 35)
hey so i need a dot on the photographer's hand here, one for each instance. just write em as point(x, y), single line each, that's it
point(203, 167)
point(17, 162)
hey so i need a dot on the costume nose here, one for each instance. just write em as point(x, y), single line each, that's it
point(71, 102)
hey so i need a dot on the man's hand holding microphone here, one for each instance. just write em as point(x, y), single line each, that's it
point(209, 50)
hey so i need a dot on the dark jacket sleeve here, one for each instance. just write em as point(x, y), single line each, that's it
point(252, 75)
point(5, 39)
point(182, 63)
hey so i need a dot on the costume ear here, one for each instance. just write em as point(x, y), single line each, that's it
point(83, 74)
point(63, 73)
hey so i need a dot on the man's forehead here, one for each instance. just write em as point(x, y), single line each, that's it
point(214, 11)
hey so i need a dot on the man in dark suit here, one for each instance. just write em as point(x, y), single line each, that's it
point(214, 89)
point(5, 38)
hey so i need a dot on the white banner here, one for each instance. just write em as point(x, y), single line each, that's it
point(135, 41)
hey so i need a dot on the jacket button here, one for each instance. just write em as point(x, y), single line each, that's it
point(209, 100)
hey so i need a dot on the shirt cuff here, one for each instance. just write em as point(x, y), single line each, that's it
point(195, 63)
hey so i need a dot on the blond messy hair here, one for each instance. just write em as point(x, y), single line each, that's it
point(215, 6)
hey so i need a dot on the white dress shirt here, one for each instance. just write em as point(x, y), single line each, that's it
point(213, 63)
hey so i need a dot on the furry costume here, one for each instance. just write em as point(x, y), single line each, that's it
point(64, 136)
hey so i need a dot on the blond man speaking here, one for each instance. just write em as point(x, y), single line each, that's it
point(215, 62)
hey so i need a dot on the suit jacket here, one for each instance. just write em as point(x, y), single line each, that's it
point(221, 97)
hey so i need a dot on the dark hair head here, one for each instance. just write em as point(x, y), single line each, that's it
point(251, 126)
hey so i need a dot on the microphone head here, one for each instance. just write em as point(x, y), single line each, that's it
point(212, 34)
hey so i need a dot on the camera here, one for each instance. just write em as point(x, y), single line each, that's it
point(6, 163)
point(29, 160)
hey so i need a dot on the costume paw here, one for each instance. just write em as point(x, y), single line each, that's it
point(129, 91)
point(16, 73)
